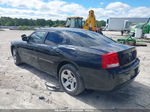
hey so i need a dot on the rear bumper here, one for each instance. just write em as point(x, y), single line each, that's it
point(124, 79)
point(108, 80)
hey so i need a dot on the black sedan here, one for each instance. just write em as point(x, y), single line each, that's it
point(78, 58)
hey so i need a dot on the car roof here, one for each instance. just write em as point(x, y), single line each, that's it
point(63, 29)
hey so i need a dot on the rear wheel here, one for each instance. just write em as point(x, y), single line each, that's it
point(16, 57)
point(70, 80)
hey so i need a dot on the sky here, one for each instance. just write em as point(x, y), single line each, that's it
point(61, 9)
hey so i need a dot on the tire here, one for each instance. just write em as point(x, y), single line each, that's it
point(70, 80)
point(122, 33)
point(16, 56)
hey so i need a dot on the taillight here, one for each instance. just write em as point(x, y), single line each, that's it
point(110, 60)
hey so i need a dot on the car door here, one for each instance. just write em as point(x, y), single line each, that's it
point(49, 57)
point(29, 51)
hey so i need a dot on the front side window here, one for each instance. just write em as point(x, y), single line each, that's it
point(54, 38)
point(37, 37)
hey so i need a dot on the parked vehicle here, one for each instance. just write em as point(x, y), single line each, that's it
point(78, 58)
point(123, 24)
point(89, 24)
point(144, 27)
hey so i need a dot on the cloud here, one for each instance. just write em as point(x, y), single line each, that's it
point(60, 9)
point(117, 6)
point(38, 8)
point(139, 12)
point(101, 3)
point(9, 12)
point(23, 3)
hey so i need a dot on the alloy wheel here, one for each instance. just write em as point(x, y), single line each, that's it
point(68, 80)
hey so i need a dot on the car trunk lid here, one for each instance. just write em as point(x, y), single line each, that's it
point(126, 54)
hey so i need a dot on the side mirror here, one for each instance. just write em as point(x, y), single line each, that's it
point(24, 37)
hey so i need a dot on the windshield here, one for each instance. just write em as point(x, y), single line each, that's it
point(78, 23)
point(86, 38)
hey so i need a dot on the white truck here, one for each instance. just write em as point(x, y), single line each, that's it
point(122, 24)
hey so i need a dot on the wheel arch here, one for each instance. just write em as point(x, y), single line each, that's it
point(64, 63)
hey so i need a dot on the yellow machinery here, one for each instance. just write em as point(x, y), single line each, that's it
point(74, 22)
point(89, 24)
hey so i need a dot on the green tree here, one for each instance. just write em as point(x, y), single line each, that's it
point(41, 22)
point(49, 23)
point(101, 23)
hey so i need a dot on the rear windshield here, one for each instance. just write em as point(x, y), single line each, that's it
point(86, 38)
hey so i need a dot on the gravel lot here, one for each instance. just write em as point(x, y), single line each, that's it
point(21, 87)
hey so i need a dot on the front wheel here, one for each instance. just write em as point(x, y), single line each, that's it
point(70, 80)
point(16, 57)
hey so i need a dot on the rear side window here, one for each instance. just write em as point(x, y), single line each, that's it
point(54, 38)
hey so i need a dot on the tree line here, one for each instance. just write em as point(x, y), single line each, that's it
point(7, 21)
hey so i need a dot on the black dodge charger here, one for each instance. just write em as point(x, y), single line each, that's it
point(80, 59)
